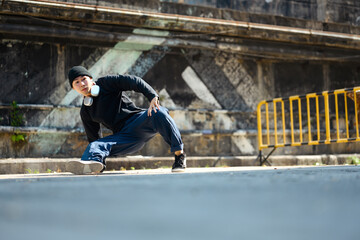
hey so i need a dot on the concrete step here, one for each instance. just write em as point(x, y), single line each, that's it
point(49, 165)
point(52, 142)
point(67, 117)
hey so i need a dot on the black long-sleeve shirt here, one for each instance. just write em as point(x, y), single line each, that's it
point(105, 108)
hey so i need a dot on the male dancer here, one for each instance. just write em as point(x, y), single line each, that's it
point(105, 102)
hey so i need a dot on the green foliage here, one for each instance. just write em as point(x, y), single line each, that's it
point(355, 160)
point(17, 137)
point(16, 120)
point(30, 171)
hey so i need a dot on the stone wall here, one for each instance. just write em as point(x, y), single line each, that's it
point(212, 93)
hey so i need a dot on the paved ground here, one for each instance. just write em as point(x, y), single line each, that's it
point(222, 203)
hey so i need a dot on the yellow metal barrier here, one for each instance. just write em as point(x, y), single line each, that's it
point(311, 119)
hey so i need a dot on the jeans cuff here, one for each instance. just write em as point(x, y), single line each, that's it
point(177, 148)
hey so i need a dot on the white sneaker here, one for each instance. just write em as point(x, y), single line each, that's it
point(84, 167)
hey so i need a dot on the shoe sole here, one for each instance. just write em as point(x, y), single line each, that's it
point(84, 167)
point(175, 170)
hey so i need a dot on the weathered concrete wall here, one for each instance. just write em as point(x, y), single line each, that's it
point(328, 11)
point(339, 11)
point(221, 86)
point(35, 73)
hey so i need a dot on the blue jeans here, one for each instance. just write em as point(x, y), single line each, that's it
point(136, 132)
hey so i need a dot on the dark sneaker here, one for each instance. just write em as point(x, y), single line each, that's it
point(84, 167)
point(179, 164)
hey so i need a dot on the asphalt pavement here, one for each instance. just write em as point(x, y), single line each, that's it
point(213, 203)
